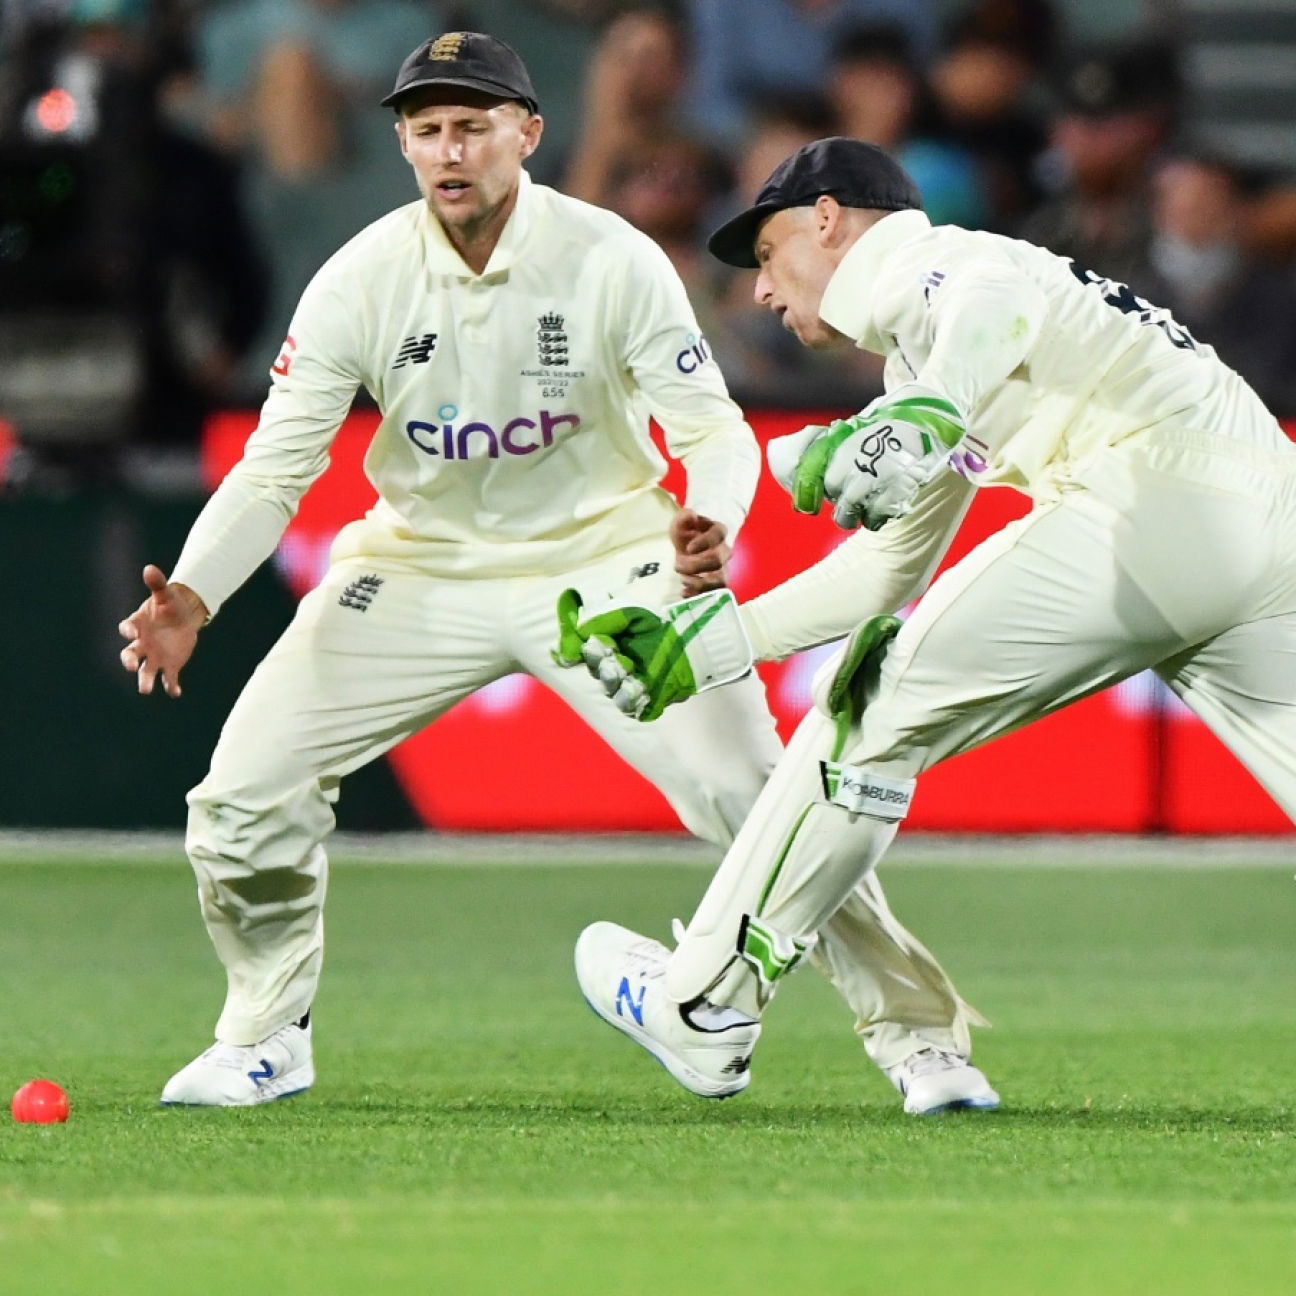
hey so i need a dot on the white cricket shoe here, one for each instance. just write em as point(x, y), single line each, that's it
point(936, 1080)
point(622, 975)
point(242, 1075)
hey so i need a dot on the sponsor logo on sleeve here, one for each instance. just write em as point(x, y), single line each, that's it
point(284, 361)
point(695, 354)
point(971, 458)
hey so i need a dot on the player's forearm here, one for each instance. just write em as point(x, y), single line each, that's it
point(234, 534)
point(983, 331)
point(723, 468)
point(869, 574)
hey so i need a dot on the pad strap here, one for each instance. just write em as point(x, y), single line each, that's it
point(862, 792)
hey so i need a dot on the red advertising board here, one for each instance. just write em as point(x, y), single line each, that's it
point(1130, 759)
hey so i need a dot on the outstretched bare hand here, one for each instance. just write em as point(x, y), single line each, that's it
point(700, 551)
point(162, 632)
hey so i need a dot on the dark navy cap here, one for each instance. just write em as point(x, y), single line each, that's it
point(470, 59)
point(855, 173)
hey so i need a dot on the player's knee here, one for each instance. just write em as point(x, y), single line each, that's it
point(713, 803)
point(716, 810)
point(235, 826)
point(710, 819)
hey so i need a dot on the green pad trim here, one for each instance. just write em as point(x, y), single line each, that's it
point(772, 955)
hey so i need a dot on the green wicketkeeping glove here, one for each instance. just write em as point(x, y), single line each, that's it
point(869, 466)
point(645, 660)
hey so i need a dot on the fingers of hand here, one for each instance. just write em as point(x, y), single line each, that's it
point(694, 585)
point(146, 675)
point(683, 527)
point(707, 561)
point(615, 676)
point(712, 538)
point(611, 674)
point(156, 580)
point(595, 651)
point(872, 508)
point(631, 697)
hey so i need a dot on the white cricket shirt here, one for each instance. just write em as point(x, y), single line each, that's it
point(515, 403)
point(1050, 365)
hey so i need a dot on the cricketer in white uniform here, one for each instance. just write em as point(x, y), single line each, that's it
point(516, 342)
point(1162, 536)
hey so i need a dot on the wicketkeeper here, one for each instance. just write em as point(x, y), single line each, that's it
point(1162, 536)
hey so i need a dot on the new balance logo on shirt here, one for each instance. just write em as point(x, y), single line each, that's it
point(416, 349)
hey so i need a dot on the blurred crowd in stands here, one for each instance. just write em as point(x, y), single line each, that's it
point(173, 171)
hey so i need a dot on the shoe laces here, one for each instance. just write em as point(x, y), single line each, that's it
point(232, 1056)
point(649, 957)
point(929, 1060)
point(235, 1056)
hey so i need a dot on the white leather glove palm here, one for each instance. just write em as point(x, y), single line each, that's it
point(870, 466)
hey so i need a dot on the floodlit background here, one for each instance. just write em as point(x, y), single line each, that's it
point(172, 172)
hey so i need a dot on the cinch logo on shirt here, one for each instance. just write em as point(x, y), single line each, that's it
point(971, 458)
point(519, 436)
point(695, 354)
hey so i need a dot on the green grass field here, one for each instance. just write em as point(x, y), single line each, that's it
point(475, 1129)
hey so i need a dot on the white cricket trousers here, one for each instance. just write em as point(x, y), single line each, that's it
point(376, 653)
point(1178, 554)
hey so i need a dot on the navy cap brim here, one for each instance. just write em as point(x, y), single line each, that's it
point(734, 242)
point(467, 83)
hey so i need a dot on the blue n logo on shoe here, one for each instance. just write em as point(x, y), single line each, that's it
point(266, 1073)
point(625, 997)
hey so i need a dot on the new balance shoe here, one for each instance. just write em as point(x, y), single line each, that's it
point(622, 976)
point(935, 1080)
point(238, 1075)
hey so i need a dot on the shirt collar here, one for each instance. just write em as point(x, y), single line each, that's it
point(442, 258)
point(847, 302)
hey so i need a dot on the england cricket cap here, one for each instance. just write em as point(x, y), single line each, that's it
point(470, 59)
point(855, 173)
